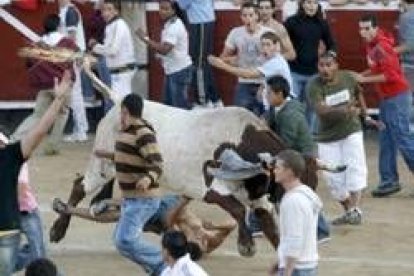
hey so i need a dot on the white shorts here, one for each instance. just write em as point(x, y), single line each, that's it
point(350, 152)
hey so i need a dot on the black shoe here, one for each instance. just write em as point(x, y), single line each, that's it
point(386, 190)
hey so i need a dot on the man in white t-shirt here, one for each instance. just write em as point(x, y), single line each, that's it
point(117, 48)
point(274, 64)
point(174, 55)
point(242, 47)
point(298, 215)
point(177, 257)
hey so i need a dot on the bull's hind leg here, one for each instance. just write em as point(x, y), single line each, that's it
point(245, 242)
point(268, 226)
point(61, 224)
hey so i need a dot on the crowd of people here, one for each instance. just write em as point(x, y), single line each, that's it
point(288, 74)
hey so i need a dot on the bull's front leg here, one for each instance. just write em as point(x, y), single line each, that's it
point(245, 242)
point(268, 226)
point(61, 224)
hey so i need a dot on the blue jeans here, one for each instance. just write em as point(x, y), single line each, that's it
point(9, 246)
point(299, 91)
point(135, 212)
point(323, 230)
point(176, 88)
point(301, 272)
point(246, 96)
point(157, 223)
point(200, 47)
point(31, 227)
point(104, 75)
point(394, 113)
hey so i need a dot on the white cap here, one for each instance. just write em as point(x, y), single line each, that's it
point(3, 138)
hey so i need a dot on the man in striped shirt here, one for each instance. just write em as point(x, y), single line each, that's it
point(138, 165)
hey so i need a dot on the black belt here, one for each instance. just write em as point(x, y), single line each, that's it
point(128, 67)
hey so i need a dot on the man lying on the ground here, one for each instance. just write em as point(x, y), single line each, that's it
point(172, 214)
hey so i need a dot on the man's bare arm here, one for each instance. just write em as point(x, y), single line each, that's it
point(35, 136)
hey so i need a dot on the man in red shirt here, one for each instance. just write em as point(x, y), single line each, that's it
point(395, 100)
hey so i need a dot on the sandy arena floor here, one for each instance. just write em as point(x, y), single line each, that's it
point(383, 245)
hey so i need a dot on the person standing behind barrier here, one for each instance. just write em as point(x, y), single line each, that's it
point(338, 101)
point(71, 26)
point(200, 14)
point(41, 77)
point(242, 46)
point(117, 48)
point(306, 29)
point(173, 51)
point(267, 12)
point(384, 69)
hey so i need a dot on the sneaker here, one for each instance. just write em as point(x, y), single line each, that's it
point(344, 219)
point(355, 217)
point(82, 137)
point(218, 104)
point(76, 137)
point(386, 189)
point(323, 240)
point(70, 138)
point(210, 104)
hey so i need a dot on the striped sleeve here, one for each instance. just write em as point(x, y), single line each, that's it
point(149, 150)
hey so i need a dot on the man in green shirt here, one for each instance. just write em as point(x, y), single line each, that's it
point(338, 101)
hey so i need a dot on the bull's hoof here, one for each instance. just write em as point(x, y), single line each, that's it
point(246, 250)
point(59, 227)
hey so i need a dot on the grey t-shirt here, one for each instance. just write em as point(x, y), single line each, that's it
point(247, 46)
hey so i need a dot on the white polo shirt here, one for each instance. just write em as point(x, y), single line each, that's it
point(175, 33)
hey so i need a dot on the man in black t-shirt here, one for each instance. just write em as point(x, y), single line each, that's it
point(12, 156)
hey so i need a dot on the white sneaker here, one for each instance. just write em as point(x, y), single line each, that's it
point(70, 138)
point(218, 104)
point(82, 137)
point(210, 104)
point(76, 137)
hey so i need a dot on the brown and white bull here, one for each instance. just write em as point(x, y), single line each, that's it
point(189, 142)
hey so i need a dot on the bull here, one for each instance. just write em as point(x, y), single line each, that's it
point(191, 142)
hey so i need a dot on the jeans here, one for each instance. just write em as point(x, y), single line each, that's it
point(323, 230)
point(301, 272)
point(104, 75)
point(200, 47)
point(31, 227)
point(246, 96)
point(299, 91)
point(9, 246)
point(157, 223)
point(394, 113)
point(135, 212)
point(409, 75)
point(176, 88)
